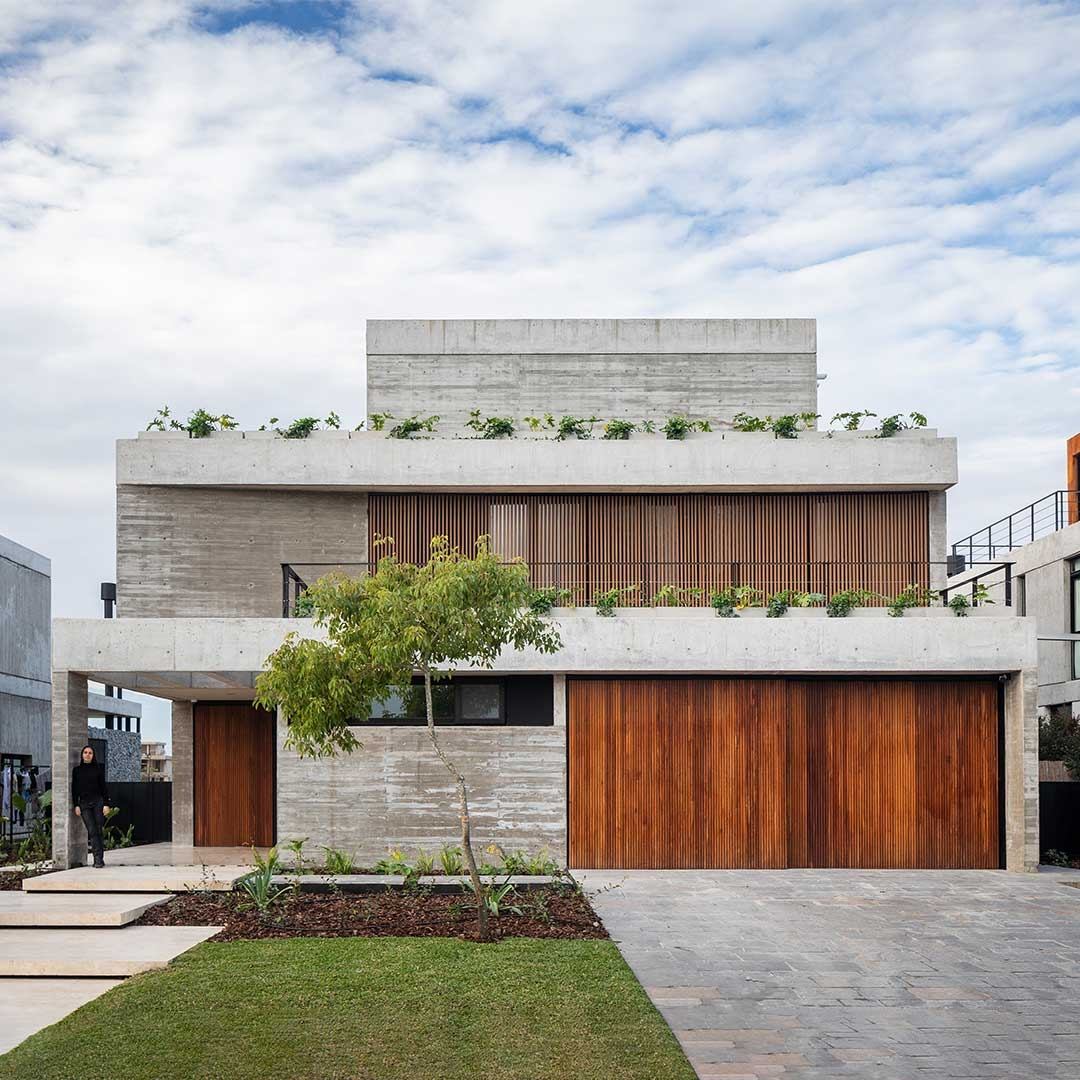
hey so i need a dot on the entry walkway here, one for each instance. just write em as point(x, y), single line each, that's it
point(68, 936)
point(885, 974)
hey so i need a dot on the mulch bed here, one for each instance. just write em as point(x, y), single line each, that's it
point(11, 880)
point(546, 913)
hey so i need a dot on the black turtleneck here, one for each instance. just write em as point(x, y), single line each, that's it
point(88, 782)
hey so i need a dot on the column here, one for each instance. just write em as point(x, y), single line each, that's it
point(69, 736)
point(183, 774)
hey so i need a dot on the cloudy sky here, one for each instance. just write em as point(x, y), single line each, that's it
point(200, 204)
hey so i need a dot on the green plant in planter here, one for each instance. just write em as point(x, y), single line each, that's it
point(728, 602)
point(671, 595)
point(163, 421)
point(338, 861)
point(451, 860)
point(493, 427)
point(777, 604)
point(543, 600)
point(648, 426)
point(843, 603)
point(892, 424)
point(199, 424)
point(378, 420)
point(411, 425)
point(606, 602)
point(913, 596)
point(425, 863)
point(618, 429)
point(677, 427)
point(960, 604)
point(395, 863)
point(852, 420)
point(575, 427)
point(537, 422)
point(333, 421)
point(745, 422)
point(788, 427)
point(299, 429)
point(297, 849)
point(273, 423)
point(702, 425)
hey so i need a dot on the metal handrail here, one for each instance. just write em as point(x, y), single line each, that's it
point(1044, 516)
point(693, 580)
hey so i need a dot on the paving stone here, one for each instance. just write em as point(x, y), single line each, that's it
point(142, 879)
point(28, 1005)
point(74, 909)
point(869, 974)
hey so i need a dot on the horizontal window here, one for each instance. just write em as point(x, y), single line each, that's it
point(468, 701)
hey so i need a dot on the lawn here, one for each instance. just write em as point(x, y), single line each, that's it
point(367, 1007)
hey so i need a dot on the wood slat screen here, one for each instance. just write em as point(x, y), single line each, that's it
point(819, 542)
point(233, 775)
point(714, 773)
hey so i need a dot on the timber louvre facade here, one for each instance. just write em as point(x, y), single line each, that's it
point(776, 742)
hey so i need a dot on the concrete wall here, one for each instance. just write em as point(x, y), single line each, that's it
point(206, 551)
point(369, 461)
point(395, 791)
point(632, 368)
point(25, 645)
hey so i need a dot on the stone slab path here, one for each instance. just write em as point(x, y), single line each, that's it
point(28, 1005)
point(891, 975)
point(74, 909)
point(96, 953)
point(144, 879)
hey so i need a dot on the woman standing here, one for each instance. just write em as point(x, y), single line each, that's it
point(90, 798)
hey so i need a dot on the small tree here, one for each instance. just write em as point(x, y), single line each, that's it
point(382, 629)
point(1059, 738)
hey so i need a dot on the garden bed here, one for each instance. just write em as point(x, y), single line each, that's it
point(554, 913)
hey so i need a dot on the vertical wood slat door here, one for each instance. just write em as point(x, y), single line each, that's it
point(233, 775)
point(761, 773)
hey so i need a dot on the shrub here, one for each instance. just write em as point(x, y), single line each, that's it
point(1053, 857)
point(493, 427)
point(378, 420)
point(851, 420)
point(618, 429)
point(259, 886)
point(843, 603)
point(537, 422)
point(395, 863)
point(959, 605)
point(912, 596)
point(575, 427)
point(303, 606)
point(892, 424)
point(733, 599)
point(1059, 738)
point(411, 425)
point(670, 595)
point(779, 602)
point(543, 600)
point(606, 602)
point(676, 427)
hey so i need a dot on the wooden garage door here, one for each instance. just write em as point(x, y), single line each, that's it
point(234, 775)
point(766, 773)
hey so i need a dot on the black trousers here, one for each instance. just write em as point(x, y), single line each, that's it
point(92, 812)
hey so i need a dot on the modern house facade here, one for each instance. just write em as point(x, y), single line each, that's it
point(663, 736)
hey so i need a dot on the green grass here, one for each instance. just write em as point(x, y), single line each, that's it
point(367, 1008)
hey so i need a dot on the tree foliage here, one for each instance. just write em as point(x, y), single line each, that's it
point(454, 610)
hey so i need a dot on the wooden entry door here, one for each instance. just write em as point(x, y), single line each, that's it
point(717, 773)
point(234, 775)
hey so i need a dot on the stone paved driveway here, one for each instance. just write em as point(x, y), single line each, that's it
point(882, 974)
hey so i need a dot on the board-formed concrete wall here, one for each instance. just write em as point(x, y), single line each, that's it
point(630, 368)
point(25, 644)
point(395, 792)
point(186, 552)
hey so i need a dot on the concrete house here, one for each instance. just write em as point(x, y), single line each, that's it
point(661, 737)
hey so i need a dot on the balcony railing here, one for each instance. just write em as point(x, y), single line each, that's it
point(691, 584)
point(1040, 518)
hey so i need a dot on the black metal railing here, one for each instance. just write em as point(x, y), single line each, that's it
point(691, 584)
point(1040, 518)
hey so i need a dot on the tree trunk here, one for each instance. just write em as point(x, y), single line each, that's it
point(463, 805)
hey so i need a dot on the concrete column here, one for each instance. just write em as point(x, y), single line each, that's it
point(183, 782)
point(939, 540)
point(559, 699)
point(69, 716)
point(1021, 772)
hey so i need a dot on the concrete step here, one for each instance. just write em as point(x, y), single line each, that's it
point(101, 953)
point(141, 879)
point(28, 1005)
point(74, 909)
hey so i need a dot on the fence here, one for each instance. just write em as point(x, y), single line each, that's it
point(1059, 817)
point(146, 804)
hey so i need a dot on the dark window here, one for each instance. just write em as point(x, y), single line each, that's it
point(1020, 588)
point(470, 700)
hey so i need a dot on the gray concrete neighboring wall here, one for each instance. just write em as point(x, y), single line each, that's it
point(25, 647)
point(122, 754)
point(184, 552)
point(629, 368)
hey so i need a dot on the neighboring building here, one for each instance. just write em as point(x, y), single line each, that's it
point(156, 762)
point(663, 737)
point(1041, 545)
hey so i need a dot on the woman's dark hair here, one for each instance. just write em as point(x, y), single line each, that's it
point(92, 751)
